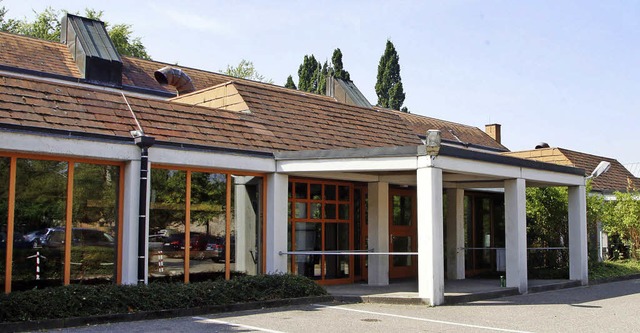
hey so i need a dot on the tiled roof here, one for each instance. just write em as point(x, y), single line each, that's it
point(308, 121)
point(342, 126)
point(615, 179)
point(450, 131)
point(37, 55)
point(278, 121)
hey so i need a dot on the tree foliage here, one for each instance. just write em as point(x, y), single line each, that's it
point(308, 73)
point(622, 217)
point(389, 83)
point(547, 216)
point(245, 70)
point(46, 25)
point(312, 75)
point(290, 84)
point(338, 69)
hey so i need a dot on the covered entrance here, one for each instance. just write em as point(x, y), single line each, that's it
point(399, 221)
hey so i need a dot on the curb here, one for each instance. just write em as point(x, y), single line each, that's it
point(162, 314)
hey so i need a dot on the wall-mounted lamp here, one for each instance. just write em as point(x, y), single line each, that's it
point(602, 167)
point(433, 142)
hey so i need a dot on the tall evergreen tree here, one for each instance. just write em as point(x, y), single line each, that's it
point(290, 84)
point(338, 70)
point(389, 83)
point(321, 78)
point(307, 74)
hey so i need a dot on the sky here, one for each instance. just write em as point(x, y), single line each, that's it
point(562, 72)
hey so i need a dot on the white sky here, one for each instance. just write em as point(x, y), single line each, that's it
point(562, 72)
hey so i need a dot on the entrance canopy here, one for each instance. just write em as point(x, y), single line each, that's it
point(454, 169)
point(462, 168)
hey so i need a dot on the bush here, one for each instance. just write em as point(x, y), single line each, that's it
point(83, 300)
point(613, 268)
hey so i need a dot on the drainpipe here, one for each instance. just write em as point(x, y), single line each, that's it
point(144, 142)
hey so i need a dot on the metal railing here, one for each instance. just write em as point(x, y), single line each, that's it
point(352, 253)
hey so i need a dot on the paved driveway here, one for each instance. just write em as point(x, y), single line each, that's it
point(611, 307)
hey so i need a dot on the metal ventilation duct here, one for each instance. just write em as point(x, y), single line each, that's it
point(175, 77)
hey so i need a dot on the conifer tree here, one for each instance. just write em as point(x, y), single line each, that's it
point(337, 68)
point(307, 74)
point(290, 84)
point(389, 83)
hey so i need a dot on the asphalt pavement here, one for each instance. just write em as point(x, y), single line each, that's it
point(608, 307)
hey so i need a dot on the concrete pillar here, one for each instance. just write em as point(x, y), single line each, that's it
point(378, 215)
point(245, 219)
point(130, 223)
point(455, 234)
point(430, 240)
point(516, 233)
point(578, 269)
point(276, 232)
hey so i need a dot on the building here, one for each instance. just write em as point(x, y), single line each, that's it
point(253, 177)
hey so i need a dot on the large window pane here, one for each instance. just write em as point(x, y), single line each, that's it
point(336, 238)
point(309, 238)
point(41, 189)
point(208, 225)
point(4, 204)
point(246, 229)
point(401, 210)
point(95, 221)
point(167, 214)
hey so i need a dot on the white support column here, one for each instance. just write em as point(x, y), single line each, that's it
point(378, 215)
point(130, 223)
point(455, 234)
point(516, 233)
point(276, 222)
point(430, 238)
point(245, 227)
point(578, 269)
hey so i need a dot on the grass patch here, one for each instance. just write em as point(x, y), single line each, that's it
point(613, 268)
point(82, 300)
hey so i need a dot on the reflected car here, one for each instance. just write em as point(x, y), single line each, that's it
point(156, 242)
point(55, 237)
point(219, 249)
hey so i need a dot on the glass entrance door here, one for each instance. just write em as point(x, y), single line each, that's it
point(402, 233)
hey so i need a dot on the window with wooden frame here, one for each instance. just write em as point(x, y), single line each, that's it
point(321, 219)
point(205, 223)
point(61, 221)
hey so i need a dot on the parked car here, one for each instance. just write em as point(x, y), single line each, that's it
point(55, 237)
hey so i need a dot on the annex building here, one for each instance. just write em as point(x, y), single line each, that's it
point(125, 170)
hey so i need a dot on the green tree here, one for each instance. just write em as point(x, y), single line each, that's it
point(547, 216)
point(389, 83)
point(622, 217)
point(338, 69)
point(290, 84)
point(245, 70)
point(47, 26)
point(307, 74)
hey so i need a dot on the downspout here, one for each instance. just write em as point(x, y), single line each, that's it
point(144, 142)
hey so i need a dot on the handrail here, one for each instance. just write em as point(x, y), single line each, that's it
point(502, 248)
point(353, 253)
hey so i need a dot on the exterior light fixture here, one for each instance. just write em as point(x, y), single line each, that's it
point(433, 142)
point(602, 167)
